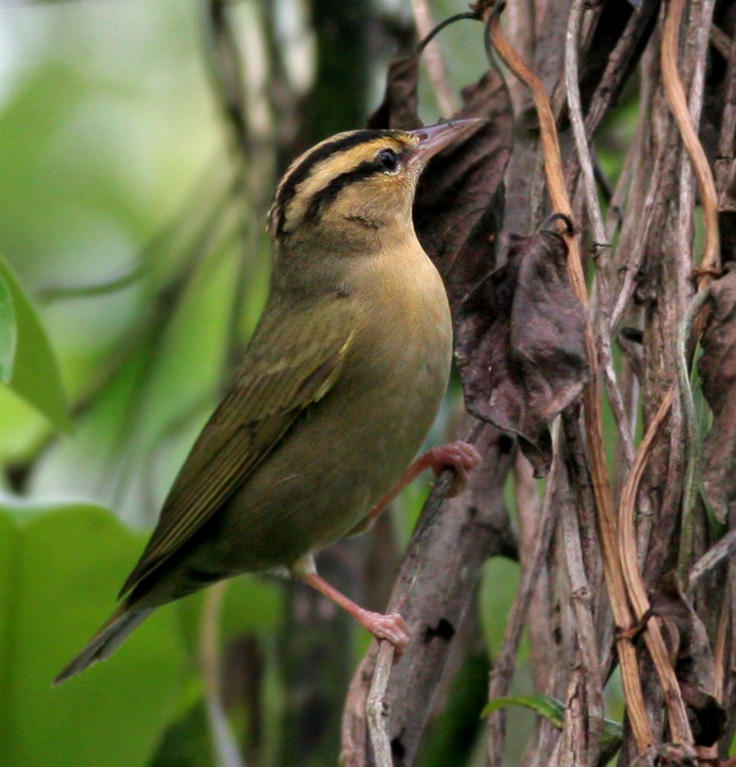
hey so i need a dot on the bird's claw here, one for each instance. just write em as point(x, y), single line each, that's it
point(461, 456)
point(389, 626)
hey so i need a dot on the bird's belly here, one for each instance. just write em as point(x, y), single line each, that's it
point(328, 472)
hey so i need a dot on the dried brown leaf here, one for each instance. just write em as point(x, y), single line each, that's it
point(459, 203)
point(520, 344)
point(399, 106)
point(668, 755)
point(692, 656)
point(717, 368)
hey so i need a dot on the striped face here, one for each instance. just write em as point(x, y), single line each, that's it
point(316, 180)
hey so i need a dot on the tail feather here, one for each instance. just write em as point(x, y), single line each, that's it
point(104, 643)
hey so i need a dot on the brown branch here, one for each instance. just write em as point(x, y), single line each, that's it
point(600, 243)
point(587, 678)
point(591, 395)
point(226, 71)
point(376, 708)
point(724, 163)
point(635, 244)
point(618, 66)
point(692, 437)
point(551, 149)
point(678, 104)
point(453, 537)
point(354, 727)
point(720, 41)
point(539, 624)
point(715, 555)
point(680, 728)
point(503, 665)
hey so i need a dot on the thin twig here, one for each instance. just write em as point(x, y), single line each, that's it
point(551, 149)
point(223, 56)
point(720, 41)
point(600, 243)
point(712, 558)
point(616, 69)
point(223, 741)
point(692, 438)
point(639, 241)
point(621, 192)
point(581, 600)
point(353, 730)
point(425, 41)
point(503, 665)
point(684, 226)
point(375, 706)
point(678, 104)
point(103, 288)
point(434, 59)
point(589, 682)
point(528, 505)
point(679, 724)
point(572, 90)
point(722, 638)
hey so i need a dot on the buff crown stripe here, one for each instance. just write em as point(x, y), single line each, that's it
point(287, 189)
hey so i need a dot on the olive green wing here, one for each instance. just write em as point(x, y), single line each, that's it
point(276, 382)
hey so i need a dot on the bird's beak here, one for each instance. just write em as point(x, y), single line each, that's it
point(433, 138)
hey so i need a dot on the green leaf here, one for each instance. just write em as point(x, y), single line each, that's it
point(8, 332)
point(60, 567)
point(35, 375)
point(547, 707)
point(554, 711)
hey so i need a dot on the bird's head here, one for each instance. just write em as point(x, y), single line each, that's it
point(362, 179)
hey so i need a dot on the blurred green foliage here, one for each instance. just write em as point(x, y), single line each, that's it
point(27, 362)
point(126, 236)
point(61, 564)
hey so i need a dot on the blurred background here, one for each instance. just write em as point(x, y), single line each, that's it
point(140, 142)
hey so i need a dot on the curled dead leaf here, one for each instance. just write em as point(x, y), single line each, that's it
point(692, 658)
point(667, 755)
point(458, 208)
point(717, 368)
point(399, 106)
point(520, 345)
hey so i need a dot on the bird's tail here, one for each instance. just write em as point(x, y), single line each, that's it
point(104, 643)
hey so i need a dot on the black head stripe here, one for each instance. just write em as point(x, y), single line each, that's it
point(322, 152)
point(321, 199)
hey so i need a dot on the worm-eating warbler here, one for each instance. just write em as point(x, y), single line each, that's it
point(339, 386)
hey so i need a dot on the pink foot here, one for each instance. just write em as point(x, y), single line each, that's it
point(390, 626)
point(461, 456)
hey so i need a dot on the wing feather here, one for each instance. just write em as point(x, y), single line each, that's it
point(275, 384)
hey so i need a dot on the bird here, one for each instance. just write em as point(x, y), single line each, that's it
point(339, 386)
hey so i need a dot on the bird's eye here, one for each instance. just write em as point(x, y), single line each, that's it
point(388, 160)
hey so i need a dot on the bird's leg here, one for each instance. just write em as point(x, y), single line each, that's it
point(390, 626)
point(461, 456)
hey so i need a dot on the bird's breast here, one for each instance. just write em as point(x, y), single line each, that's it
point(348, 450)
point(404, 339)
point(398, 367)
